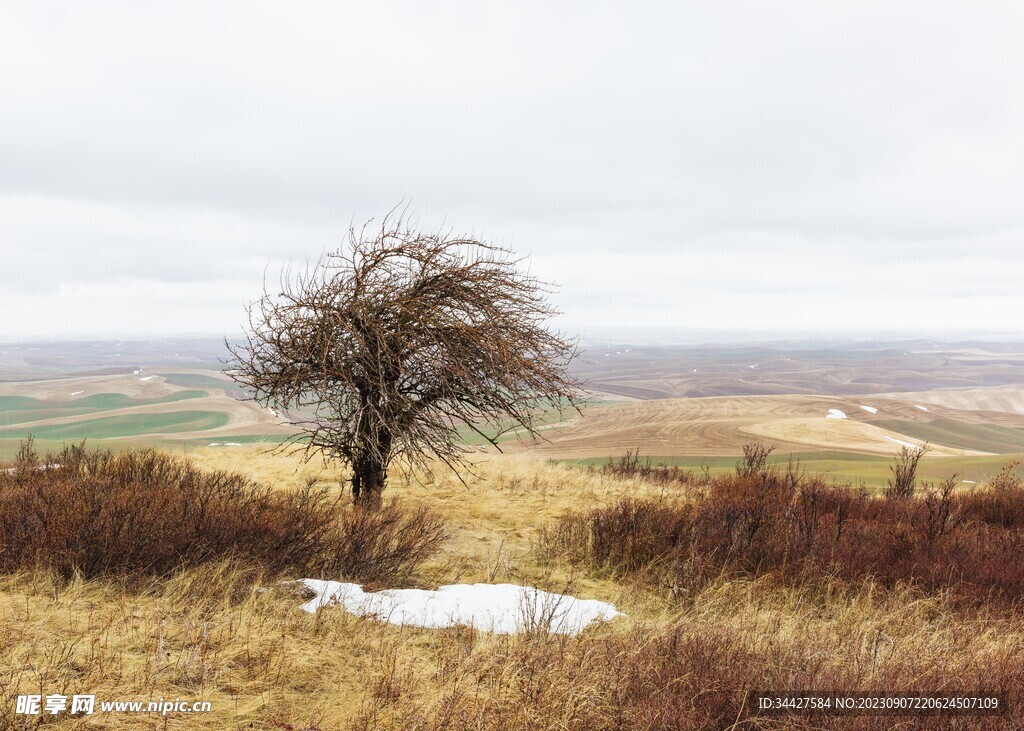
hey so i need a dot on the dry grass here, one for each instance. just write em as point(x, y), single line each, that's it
point(211, 633)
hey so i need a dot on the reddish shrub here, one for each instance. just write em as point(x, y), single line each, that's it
point(767, 520)
point(145, 512)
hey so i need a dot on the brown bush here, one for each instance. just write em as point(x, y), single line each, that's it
point(765, 520)
point(385, 544)
point(629, 537)
point(904, 472)
point(148, 513)
point(630, 465)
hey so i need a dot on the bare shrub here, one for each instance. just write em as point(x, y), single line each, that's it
point(628, 536)
point(148, 513)
point(630, 465)
point(386, 544)
point(755, 459)
point(763, 520)
point(1002, 504)
point(904, 472)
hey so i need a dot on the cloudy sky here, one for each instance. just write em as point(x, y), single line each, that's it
point(816, 166)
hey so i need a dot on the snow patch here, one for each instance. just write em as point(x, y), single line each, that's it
point(869, 409)
point(755, 365)
point(224, 444)
point(904, 444)
point(498, 608)
point(147, 378)
point(919, 406)
point(835, 414)
point(75, 393)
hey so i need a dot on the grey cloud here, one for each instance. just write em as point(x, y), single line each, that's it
point(187, 143)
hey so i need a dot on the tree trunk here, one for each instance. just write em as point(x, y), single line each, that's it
point(368, 478)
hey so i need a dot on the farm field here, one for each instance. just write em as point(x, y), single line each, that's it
point(842, 410)
point(855, 367)
point(688, 405)
point(973, 443)
point(58, 394)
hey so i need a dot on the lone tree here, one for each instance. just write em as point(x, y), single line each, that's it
point(392, 346)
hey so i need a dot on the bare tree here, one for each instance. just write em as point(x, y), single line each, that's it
point(903, 482)
point(401, 342)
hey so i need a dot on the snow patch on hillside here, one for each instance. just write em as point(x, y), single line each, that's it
point(869, 409)
point(905, 444)
point(835, 414)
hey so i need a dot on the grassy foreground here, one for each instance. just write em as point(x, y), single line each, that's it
point(220, 632)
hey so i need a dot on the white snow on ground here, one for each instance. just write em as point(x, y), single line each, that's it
point(498, 608)
point(75, 393)
point(224, 444)
point(903, 443)
point(755, 365)
point(835, 414)
point(870, 409)
point(147, 378)
point(918, 406)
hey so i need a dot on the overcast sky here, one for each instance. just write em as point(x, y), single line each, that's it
point(822, 166)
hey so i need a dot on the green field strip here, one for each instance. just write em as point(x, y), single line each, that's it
point(245, 439)
point(125, 425)
point(953, 433)
point(199, 380)
point(19, 403)
point(870, 470)
point(109, 401)
point(9, 447)
point(11, 418)
point(29, 409)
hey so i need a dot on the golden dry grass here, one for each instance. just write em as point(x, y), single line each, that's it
point(214, 634)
